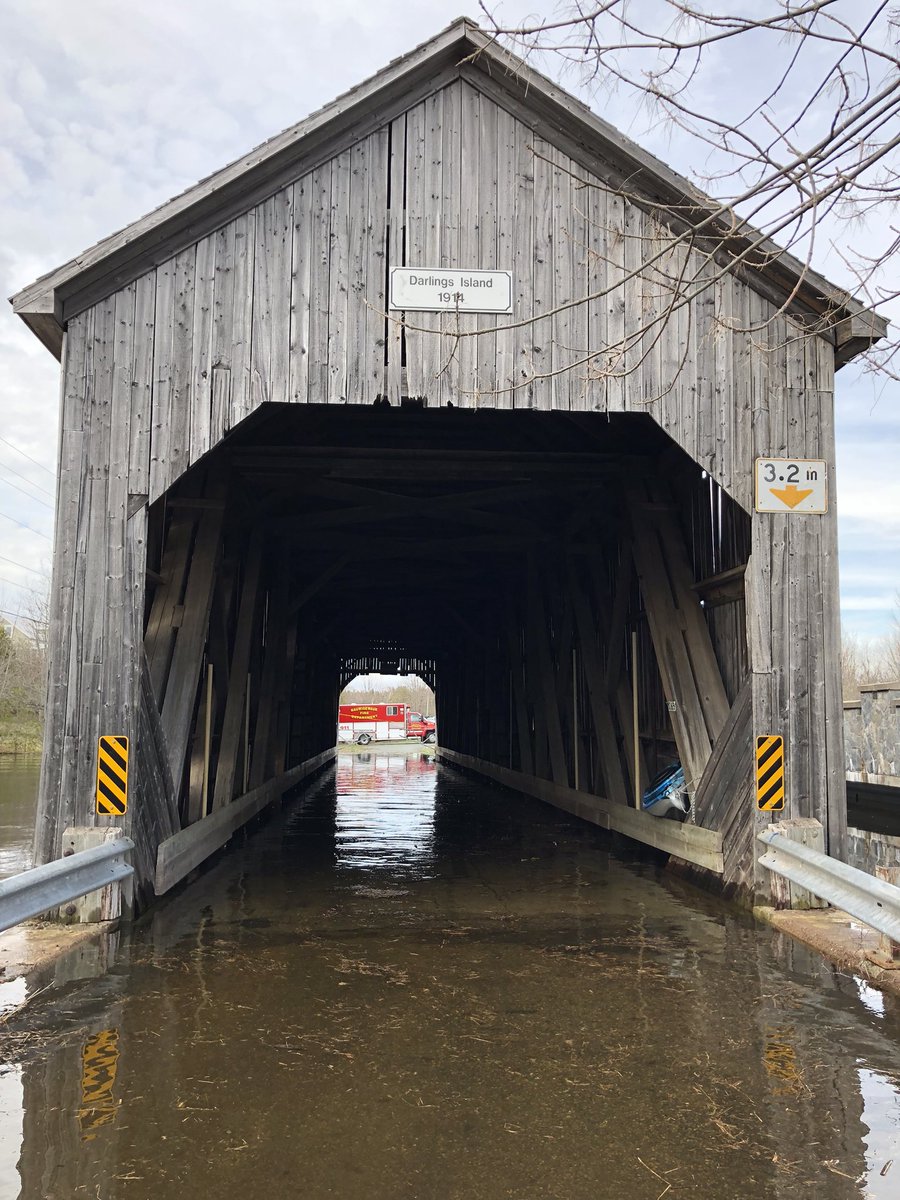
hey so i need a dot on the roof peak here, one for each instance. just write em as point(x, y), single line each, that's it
point(118, 259)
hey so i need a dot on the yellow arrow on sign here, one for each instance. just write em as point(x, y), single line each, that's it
point(791, 495)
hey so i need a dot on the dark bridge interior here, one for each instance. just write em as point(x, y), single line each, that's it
point(491, 552)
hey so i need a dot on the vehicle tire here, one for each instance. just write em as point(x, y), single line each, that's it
point(363, 739)
point(429, 739)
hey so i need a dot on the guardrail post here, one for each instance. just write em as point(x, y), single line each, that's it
point(807, 831)
point(888, 953)
point(106, 903)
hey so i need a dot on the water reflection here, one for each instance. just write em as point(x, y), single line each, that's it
point(18, 797)
point(11, 1109)
point(465, 999)
point(881, 1121)
point(384, 815)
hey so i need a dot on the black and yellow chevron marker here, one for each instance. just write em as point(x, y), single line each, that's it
point(112, 776)
point(99, 1063)
point(769, 772)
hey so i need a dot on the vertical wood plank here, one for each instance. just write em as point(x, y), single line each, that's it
point(374, 381)
point(171, 427)
point(244, 259)
point(201, 347)
point(337, 296)
point(50, 808)
point(541, 331)
point(302, 257)
point(830, 726)
point(358, 264)
point(616, 300)
point(507, 198)
point(469, 237)
point(447, 390)
point(270, 336)
point(396, 254)
point(223, 329)
point(632, 235)
point(142, 384)
point(485, 251)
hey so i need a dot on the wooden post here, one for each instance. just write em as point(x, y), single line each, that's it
point(223, 791)
point(247, 736)
point(888, 948)
point(575, 717)
point(604, 725)
point(635, 720)
point(181, 690)
point(687, 663)
point(164, 619)
point(514, 641)
point(207, 739)
point(545, 692)
point(283, 715)
point(618, 685)
point(273, 664)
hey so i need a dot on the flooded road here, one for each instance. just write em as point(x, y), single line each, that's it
point(406, 985)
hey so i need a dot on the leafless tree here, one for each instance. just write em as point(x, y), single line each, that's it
point(800, 145)
point(23, 655)
point(857, 664)
point(891, 646)
point(414, 692)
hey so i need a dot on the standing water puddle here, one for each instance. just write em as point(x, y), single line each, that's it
point(407, 985)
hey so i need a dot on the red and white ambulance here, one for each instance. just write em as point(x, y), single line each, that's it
point(365, 723)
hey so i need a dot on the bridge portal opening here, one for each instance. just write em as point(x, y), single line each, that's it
point(385, 707)
point(570, 585)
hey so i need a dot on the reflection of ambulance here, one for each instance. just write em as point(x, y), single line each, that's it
point(364, 723)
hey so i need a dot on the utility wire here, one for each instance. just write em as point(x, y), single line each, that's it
point(16, 616)
point(23, 526)
point(19, 475)
point(36, 499)
point(28, 456)
point(12, 562)
point(13, 583)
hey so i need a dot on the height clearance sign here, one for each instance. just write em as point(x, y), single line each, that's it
point(791, 485)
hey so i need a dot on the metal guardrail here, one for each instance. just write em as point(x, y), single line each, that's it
point(33, 892)
point(870, 900)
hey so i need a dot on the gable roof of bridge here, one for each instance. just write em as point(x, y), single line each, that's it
point(461, 50)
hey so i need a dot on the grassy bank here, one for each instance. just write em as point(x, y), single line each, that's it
point(20, 733)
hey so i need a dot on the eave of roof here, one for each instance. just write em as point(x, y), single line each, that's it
point(461, 49)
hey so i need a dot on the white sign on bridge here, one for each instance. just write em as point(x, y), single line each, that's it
point(798, 485)
point(434, 289)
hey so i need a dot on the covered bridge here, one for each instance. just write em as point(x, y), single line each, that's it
point(449, 378)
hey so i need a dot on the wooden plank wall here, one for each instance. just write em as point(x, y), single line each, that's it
point(287, 303)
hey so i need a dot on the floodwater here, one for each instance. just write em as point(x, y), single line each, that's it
point(18, 796)
point(406, 986)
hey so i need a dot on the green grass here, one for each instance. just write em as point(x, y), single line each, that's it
point(20, 733)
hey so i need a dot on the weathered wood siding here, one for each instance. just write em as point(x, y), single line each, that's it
point(288, 303)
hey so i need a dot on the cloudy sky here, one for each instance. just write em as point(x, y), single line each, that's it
point(108, 109)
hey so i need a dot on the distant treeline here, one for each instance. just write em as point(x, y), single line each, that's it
point(414, 692)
